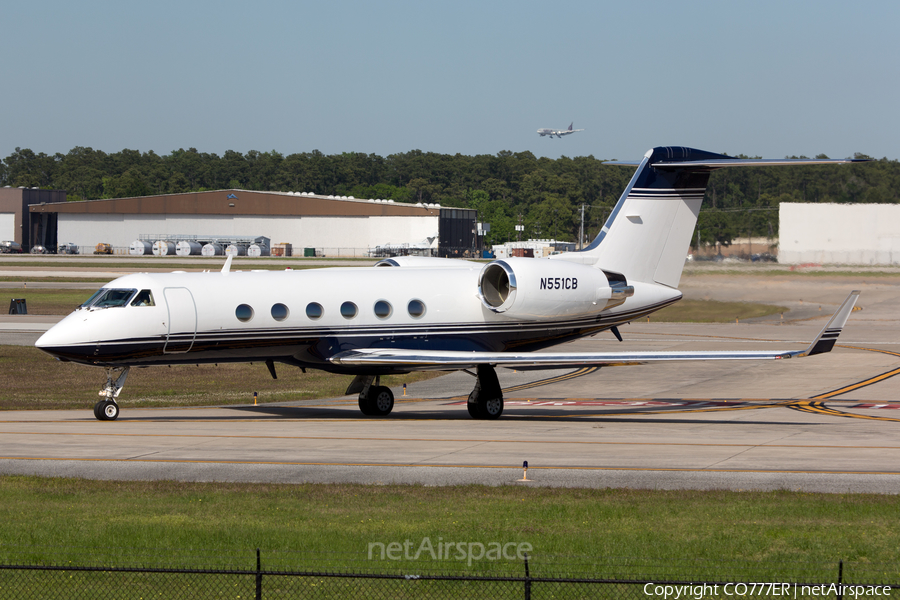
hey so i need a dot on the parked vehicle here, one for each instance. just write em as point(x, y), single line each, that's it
point(9, 247)
point(68, 249)
point(40, 250)
point(103, 248)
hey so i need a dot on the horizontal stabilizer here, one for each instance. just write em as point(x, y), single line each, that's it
point(719, 163)
point(755, 162)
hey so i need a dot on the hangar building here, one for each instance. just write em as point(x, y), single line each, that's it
point(855, 234)
point(15, 218)
point(335, 226)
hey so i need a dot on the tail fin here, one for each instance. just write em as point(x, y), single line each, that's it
point(570, 125)
point(648, 233)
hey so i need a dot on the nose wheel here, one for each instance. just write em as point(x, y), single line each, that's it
point(107, 409)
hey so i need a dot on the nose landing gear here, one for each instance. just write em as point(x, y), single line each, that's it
point(107, 409)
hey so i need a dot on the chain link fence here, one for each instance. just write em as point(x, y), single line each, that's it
point(544, 578)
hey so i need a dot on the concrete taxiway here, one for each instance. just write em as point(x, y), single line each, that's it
point(826, 423)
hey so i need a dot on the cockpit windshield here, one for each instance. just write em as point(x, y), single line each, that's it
point(109, 297)
point(93, 297)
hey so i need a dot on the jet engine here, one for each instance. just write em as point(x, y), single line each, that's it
point(529, 288)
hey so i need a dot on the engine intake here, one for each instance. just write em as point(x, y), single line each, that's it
point(540, 289)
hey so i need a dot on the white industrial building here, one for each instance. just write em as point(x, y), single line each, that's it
point(334, 226)
point(856, 234)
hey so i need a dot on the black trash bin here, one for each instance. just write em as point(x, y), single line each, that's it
point(17, 306)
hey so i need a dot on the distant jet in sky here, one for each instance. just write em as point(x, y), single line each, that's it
point(558, 132)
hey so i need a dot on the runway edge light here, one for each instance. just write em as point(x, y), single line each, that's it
point(524, 471)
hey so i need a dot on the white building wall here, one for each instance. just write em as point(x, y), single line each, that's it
point(7, 226)
point(335, 235)
point(867, 234)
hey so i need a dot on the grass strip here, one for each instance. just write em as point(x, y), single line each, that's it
point(886, 272)
point(31, 379)
point(26, 280)
point(193, 264)
point(330, 526)
point(49, 301)
point(714, 311)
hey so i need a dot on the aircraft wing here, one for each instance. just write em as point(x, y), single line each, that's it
point(438, 360)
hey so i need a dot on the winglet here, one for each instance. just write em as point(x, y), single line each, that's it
point(829, 335)
point(227, 267)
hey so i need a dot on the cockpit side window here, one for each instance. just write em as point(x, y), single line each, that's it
point(143, 298)
point(112, 297)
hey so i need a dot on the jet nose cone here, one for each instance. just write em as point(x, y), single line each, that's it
point(64, 338)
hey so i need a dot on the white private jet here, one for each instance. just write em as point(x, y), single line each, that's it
point(558, 132)
point(421, 313)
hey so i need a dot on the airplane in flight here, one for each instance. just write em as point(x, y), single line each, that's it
point(558, 132)
point(420, 313)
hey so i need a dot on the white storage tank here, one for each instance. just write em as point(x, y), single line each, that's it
point(236, 250)
point(140, 248)
point(163, 248)
point(186, 248)
point(212, 250)
point(257, 250)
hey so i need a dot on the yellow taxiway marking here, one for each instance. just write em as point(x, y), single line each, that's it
point(432, 439)
point(865, 382)
point(577, 373)
point(450, 466)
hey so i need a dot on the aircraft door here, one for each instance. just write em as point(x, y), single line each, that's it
point(182, 320)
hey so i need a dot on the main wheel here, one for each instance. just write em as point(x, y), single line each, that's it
point(491, 408)
point(381, 400)
point(472, 405)
point(110, 410)
point(365, 405)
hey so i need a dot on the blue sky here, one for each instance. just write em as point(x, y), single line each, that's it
point(761, 78)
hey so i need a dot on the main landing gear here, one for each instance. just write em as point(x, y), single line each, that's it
point(374, 400)
point(107, 409)
point(486, 400)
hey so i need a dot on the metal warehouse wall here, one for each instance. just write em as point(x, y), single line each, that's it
point(86, 230)
point(7, 226)
point(867, 234)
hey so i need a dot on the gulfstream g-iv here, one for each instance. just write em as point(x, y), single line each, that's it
point(410, 314)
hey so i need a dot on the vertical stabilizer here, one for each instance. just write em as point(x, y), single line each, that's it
point(648, 233)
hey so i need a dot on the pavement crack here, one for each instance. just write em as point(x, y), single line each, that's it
point(445, 454)
point(166, 450)
point(735, 455)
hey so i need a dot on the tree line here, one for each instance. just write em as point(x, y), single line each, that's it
point(543, 195)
